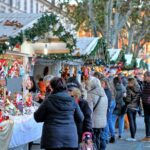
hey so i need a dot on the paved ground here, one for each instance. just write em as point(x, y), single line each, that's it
point(123, 144)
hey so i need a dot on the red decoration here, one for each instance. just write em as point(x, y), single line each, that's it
point(1, 128)
point(1, 116)
point(29, 100)
point(17, 46)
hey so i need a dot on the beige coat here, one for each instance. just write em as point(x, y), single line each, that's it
point(95, 90)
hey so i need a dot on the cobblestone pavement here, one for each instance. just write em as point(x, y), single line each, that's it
point(123, 144)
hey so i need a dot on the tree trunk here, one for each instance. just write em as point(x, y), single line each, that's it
point(106, 24)
point(130, 39)
point(108, 21)
point(91, 17)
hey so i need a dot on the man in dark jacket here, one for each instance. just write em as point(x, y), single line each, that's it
point(146, 104)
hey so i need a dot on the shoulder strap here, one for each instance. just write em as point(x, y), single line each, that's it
point(97, 103)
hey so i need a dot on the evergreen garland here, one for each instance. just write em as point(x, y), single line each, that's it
point(47, 23)
point(100, 48)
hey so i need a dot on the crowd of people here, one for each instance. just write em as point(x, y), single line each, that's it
point(89, 111)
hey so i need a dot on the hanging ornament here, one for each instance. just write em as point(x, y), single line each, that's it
point(92, 69)
point(79, 72)
point(1, 116)
point(17, 46)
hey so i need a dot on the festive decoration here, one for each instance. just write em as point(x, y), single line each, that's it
point(143, 64)
point(1, 116)
point(28, 100)
point(10, 66)
point(13, 23)
point(47, 25)
point(98, 54)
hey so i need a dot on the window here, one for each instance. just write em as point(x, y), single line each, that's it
point(25, 5)
point(31, 8)
point(2, 1)
point(37, 7)
point(11, 3)
point(17, 4)
point(2, 9)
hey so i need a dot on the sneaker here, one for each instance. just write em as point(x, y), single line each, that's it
point(146, 139)
point(112, 140)
point(131, 139)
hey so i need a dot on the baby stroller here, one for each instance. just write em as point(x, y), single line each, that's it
point(87, 142)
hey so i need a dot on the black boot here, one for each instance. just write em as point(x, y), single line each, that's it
point(112, 140)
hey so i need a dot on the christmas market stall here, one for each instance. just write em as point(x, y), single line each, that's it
point(16, 108)
point(126, 62)
point(17, 125)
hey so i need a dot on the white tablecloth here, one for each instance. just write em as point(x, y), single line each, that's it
point(25, 130)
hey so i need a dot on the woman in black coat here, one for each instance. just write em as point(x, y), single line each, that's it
point(58, 112)
point(86, 126)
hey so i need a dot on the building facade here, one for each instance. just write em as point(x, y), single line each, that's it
point(24, 6)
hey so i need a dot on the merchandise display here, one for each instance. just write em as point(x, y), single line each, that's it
point(16, 107)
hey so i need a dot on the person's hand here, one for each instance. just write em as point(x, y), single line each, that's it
point(125, 95)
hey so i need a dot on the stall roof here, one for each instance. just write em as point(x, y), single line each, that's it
point(25, 20)
point(85, 45)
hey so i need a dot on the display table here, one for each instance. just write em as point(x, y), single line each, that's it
point(24, 130)
point(6, 134)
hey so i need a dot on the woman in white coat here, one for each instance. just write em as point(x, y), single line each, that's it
point(98, 103)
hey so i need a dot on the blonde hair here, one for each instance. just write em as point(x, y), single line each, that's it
point(106, 81)
point(76, 92)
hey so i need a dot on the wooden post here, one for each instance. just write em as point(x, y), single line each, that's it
point(78, 74)
point(57, 69)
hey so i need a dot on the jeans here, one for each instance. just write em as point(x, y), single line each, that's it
point(120, 123)
point(99, 138)
point(132, 121)
point(111, 119)
point(147, 119)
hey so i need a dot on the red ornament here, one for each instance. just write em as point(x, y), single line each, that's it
point(17, 46)
point(1, 117)
point(1, 128)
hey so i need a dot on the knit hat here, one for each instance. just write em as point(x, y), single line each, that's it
point(72, 85)
point(73, 82)
point(86, 136)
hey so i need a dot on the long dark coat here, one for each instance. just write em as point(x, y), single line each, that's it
point(59, 129)
point(86, 125)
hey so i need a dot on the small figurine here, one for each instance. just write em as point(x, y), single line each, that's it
point(1, 116)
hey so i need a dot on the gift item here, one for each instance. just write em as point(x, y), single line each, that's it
point(1, 128)
point(11, 66)
point(28, 100)
point(1, 116)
